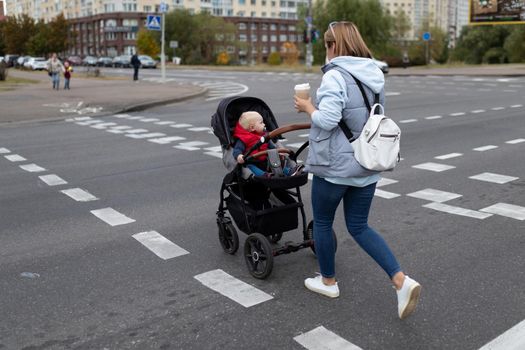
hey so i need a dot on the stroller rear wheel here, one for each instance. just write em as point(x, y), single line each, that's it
point(228, 236)
point(258, 255)
point(309, 235)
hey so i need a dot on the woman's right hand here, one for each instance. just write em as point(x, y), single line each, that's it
point(304, 105)
point(240, 159)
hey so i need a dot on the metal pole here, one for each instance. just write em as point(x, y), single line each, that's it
point(162, 56)
point(309, 37)
point(427, 53)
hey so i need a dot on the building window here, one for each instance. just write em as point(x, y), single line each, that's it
point(273, 49)
point(253, 14)
point(254, 37)
point(264, 26)
point(242, 26)
point(273, 27)
point(147, 8)
point(253, 2)
point(282, 38)
point(242, 2)
point(253, 26)
point(242, 37)
point(273, 38)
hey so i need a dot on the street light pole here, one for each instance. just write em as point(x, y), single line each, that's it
point(309, 36)
point(162, 56)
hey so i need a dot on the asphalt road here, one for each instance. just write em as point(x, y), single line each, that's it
point(71, 280)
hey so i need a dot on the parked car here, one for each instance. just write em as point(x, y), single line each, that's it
point(105, 62)
point(11, 59)
point(382, 65)
point(20, 61)
point(36, 63)
point(89, 61)
point(75, 60)
point(123, 61)
point(147, 62)
point(1, 58)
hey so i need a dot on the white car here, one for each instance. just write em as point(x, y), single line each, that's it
point(382, 65)
point(147, 62)
point(36, 63)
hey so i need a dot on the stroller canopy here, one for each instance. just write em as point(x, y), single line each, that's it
point(229, 111)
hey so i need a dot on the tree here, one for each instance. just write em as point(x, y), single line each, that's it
point(38, 44)
point(147, 43)
point(58, 34)
point(475, 42)
point(400, 25)
point(368, 15)
point(16, 32)
point(515, 45)
point(2, 40)
point(290, 53)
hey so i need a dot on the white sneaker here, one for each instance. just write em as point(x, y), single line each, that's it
point(407, 297)
point(316, 285)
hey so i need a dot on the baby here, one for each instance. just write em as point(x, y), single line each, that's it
point(248, 132)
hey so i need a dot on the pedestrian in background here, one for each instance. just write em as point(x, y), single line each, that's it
point(68, 69)
point(55, 68)
point(337, 175)
point(135, 62)
point(406, 60)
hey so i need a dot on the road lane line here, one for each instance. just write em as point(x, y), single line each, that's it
point(433, 195)
point(484, 148)
point(159, 245)
point(135, 117)
point(52, 180)
point(190, 146)
point(4, 150)
point(433, 167)
point(32, 168)
point(148, 120)
point(233, 288)
point(122, 127)
point(512, 339)
point(166, 140)
point(495, 178)
point(478, 111)
point(509, 210)
point(201, 128)
point(321, 338)
point(497, 108)
point(385, 194)
point(79, 195)
point(450, 209)
point(434, 117)
point(457, 114)
point(145, 136)
point(182, 125)
point(513, 142)
point(111, 216)
point(167, 122)
point(102, 125)
point(15, 158)
point(405, 121)
point(135, 131)
point(448, 156)
point(516, 106)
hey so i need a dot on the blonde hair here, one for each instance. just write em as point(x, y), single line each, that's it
point(249, 118)
point(347, 39)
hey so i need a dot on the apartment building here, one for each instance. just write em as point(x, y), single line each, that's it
point(1, 9)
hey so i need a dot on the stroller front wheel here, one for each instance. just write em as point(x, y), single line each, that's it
point(258, 255)
point(228, 237)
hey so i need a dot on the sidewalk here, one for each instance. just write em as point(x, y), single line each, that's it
point(507, 70)
point(88, 96)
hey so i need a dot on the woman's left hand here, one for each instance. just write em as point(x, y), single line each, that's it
point(303, 105)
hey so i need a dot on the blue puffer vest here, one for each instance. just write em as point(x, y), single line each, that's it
point(330, 153)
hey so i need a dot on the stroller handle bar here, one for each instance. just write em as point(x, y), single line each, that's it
point(287, 128)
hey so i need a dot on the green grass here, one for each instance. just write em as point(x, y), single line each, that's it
point(12, 83)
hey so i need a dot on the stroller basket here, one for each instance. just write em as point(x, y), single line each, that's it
point(275, 215)
point(282, 182)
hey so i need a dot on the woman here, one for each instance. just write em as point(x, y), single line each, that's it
point(54, 68)
point(337, 175)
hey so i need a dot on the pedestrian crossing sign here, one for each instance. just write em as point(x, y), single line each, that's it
point(153, 22)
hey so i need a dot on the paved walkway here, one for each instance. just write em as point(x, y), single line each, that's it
point(88, 96)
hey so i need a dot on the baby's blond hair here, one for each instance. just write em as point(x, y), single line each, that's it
point(248, 118)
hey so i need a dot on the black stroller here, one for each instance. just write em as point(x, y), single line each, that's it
point(262, 207)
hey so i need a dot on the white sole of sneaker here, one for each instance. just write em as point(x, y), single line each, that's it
point(324, 292)
point(413, 299)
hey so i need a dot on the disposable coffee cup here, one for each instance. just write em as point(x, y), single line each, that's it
point(302, 90)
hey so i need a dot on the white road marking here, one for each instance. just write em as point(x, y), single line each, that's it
point(484, 148)
point(214, 149)
point(121, 116)
point(433, 167)
point(321, 338)
point(146, 136)
point(167, 122)
point(385, 181)
point(516, 106)
point(160, 245)
point(392, 93)
point(433, 195)
point(202, 128)
point(166, 140)
point(135, 117)
point(478, 111)
point(497, 108)
point(122, 127)
point(32, 168)
point(295, 145)
point(449, 155)
point(509, 210)
point(190, 146)
point(304, 135)
point(513, 142)
point(233, 288)
point(89, 122)
point(4, 150)
point(102, 125)
point(182, 125)
point(512, 339)
point(495, 178)
point(405, 121)
point(434, 117)
point(79, 195)
point(52, 180)
point(450, 209)
point(148, 120)
point(457, 114)
point(136, 131)
point(15, 158)
point(111, 216)
point(112, 131)
point(386, 194)
point(214, 154)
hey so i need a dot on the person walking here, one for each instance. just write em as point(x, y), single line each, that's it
point(135, 62)
point(337, 175)
point(68, 69)
point(54, 69)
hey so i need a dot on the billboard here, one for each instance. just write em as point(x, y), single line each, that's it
point(497, 12)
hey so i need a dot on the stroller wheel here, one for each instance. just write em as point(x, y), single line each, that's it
point(258, 255)
point(228, 237)
point(276, 237)
point(309, 235)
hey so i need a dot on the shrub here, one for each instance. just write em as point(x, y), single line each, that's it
point(223, 59)
point(495, 55)
point(274, 59)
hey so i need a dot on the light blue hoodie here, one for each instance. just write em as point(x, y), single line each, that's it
point(332, 97)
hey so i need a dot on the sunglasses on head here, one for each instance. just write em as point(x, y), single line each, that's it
point(333, 24)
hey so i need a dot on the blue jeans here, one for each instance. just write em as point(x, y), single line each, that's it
point(55, 78)
point(326, 197)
